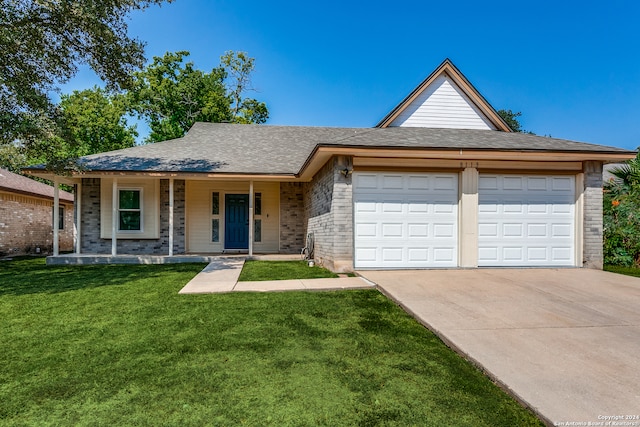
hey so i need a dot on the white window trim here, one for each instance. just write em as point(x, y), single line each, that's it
point(141, 190)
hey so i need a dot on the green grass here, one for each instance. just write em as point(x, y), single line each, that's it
point(281, 270)
point(629, 271)
point(116, 345)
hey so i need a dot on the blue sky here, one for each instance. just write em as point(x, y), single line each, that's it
point(571, 67)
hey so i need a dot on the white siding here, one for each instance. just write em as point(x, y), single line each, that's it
point(443, 105)
point(199, 232)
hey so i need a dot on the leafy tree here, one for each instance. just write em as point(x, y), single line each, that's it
point(239, 66)
point(95, 122)
point(621, 208)
point(172, 95)
point(512, 121)
point(85, 122)
point(42, 44)
point(12, 157)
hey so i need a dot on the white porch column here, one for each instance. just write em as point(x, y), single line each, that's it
point(56, 217)
point(251, 197)
point(170, 216)
point(469, 218)
point(78, 203)
point(114, 217)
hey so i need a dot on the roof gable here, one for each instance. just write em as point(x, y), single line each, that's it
point(445, 99)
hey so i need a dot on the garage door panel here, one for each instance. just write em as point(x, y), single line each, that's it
point(537, 230)
point(564, 184)
point(418, 182)
point(512, 207)
point(366, 230)
point(526, 220)
point(446, 183)
point(392, 230)
point(561, 230)
point(512, 230)
point(565, 253)
point(413, 225)
point(419, 231)
point(418, 255)
point(392, 182)
point(443, 231)
point(538, 254)
point(513, 254)
point(366, 181)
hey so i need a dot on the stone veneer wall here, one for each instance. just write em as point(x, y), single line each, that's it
point(329, 215)
point(292, 224)
point(90, 220)
point(593, 228)
point(26, 224)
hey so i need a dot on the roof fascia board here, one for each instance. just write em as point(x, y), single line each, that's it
point(322, 154)
point(163, 175)
point(470, 91)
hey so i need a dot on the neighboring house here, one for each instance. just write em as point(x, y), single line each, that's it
point(441, 181)
point(26, 216)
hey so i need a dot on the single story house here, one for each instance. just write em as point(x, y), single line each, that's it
point(26, 216)
point(441, 181)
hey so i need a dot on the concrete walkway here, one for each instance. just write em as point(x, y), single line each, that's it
point(565, 342)
point(221, 275)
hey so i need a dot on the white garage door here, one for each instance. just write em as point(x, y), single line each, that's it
point(526, 220)
point(405, 220)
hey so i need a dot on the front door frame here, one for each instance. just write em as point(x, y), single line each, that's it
point(231, 201)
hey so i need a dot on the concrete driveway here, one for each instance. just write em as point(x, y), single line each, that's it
point(566, 342)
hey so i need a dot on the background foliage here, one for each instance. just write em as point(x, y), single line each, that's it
point(621, 207)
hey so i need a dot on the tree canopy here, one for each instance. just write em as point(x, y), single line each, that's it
point(44, 42)
point(511, 118)
point(171, 94)
point(95, 120)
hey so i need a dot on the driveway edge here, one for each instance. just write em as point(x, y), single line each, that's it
point(465, 355)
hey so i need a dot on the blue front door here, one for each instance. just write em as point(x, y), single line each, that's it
point(236, 223)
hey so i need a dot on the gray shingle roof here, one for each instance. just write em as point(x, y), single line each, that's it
point(261, 149)
point(15, 183)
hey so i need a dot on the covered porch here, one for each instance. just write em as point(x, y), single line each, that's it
point(120, 218)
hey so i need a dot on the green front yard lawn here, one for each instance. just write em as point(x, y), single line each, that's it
point(117, 345)
point(629, 271)
point(281, 270)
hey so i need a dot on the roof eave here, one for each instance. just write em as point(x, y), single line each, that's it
point(322, 153)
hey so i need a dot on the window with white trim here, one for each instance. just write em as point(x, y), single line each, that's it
point(130, 209)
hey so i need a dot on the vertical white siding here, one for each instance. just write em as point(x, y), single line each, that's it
point(443, 105)
point(199, 194)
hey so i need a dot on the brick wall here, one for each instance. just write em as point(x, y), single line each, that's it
point(90, 218)
point(26, 224)
point(329, 215)
point(292, 224)
point(593, 256)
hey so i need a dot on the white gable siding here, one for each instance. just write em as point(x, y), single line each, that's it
point(443, 105)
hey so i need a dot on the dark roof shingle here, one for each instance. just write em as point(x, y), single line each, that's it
point(262, 149)
point(15, 183)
